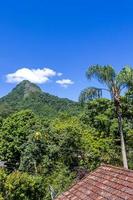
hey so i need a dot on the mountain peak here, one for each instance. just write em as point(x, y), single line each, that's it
point(26, 88)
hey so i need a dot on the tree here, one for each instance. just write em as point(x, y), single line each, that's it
point(32, 155)
point(23, 186)
point(3, 176)
point(14, 133)
point(115, 84)
point(60, 179)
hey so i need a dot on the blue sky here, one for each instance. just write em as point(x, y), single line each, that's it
point(65, 36)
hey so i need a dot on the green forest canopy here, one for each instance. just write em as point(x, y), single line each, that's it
point(42, 151)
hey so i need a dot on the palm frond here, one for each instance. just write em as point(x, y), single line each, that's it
point(104, 74)
point(125, 78)
point(89, 94)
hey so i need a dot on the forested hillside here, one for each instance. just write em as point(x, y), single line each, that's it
point(47, 143)
point(27, 95)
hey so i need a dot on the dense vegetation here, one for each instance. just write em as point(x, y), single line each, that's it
point(45, 153)
point(115, 84)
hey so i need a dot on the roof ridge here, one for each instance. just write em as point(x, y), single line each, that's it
point(98, 173)
point(116, 167)
point(120, 172)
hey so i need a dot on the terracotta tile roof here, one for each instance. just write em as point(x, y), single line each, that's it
point(105, 183)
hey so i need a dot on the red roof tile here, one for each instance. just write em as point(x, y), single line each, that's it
point(105, 183)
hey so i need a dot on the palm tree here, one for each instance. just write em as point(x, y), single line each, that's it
point(114, 83)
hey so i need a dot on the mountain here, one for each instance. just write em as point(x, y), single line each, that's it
point(27, 95)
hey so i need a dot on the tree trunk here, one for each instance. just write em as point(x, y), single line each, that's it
point(35, 167)
point(123, 148)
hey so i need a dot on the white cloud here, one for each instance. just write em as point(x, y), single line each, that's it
point(65, 82)
point(59, 74)
point(33, 75)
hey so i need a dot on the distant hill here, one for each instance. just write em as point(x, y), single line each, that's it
point(27, 95)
